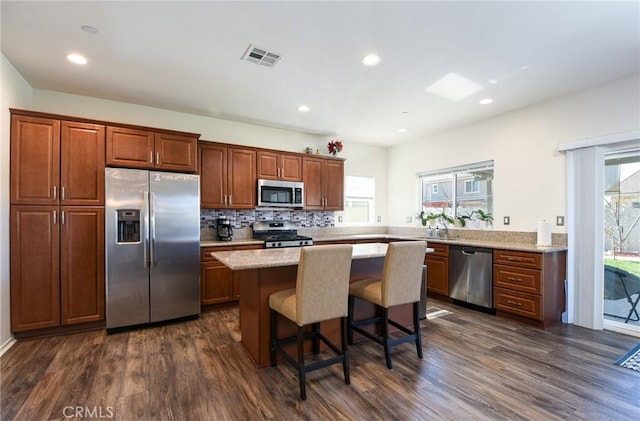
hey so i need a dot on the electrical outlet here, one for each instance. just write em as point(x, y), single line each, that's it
point(379, 219)
point(506, 220)
point(409, 219)
point(340, 218)
point(560, 221)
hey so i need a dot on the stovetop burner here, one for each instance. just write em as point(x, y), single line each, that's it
point(277, 234)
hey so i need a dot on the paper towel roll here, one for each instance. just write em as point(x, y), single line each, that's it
point(544, 233)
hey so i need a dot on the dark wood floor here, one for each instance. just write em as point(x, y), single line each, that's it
point(475, 366)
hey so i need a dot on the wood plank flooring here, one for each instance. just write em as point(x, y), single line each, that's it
point(475, 367)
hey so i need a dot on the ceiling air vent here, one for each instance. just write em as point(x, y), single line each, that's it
point(260, 56)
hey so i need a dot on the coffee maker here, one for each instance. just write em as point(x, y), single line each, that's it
point(225, 229)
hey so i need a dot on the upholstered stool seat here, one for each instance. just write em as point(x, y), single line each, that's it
point(400, 283)
point(322, 288)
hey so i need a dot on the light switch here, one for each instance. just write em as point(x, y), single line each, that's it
point(379, 219)
point(560, 221)
point(506, 220)
point(408, 220)
point(340, 218)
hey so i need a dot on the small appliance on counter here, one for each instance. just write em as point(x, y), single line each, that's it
point(225, 229)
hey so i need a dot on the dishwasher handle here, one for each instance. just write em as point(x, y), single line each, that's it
point(468, 252)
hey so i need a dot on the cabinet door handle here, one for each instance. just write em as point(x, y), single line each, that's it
point(62, 195)
point(151, 156)
point(157, 157)
point(514, 303)
point(229, 202)
point(55, 217)
point(55, 192)
point(62, 219)
point(510, 278)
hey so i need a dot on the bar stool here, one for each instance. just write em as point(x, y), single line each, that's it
point(321, 291)
point(400, 284)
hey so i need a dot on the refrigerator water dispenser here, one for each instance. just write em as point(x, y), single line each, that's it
point(128, 225)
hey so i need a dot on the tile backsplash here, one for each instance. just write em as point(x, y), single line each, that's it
point(242, 219)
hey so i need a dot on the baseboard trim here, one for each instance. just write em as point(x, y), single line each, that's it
point(621, 328)
point(8, 344)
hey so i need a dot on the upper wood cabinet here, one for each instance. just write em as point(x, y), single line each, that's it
point(56, 162)
point(279, 166)
point(323, 183)
point(227, 176)
point(135, 148)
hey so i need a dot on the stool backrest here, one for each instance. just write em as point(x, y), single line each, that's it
point(322, 286)
point(402, 272)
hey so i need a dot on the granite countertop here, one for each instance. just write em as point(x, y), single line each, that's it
point(263, 258)
point(354, 237)
point(232, 243)
point(462, 242)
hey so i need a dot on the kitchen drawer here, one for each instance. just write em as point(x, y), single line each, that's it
point(520, 279)
point(518, 258)
point(205, 253)
point(523, 304)
point(439, 249)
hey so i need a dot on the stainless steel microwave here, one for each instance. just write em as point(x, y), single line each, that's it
point(281, 194)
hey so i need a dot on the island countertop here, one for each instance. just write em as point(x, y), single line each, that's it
point(263, 258)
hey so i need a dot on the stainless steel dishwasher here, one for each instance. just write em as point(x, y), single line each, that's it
point(470, 275)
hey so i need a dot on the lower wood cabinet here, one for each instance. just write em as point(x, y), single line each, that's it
point(438, 269)
point(218, 283)
point(529, 285)
point(57, 266)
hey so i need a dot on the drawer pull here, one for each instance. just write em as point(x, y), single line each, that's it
point(514, 303)
point(514, 259)
point(510, 278)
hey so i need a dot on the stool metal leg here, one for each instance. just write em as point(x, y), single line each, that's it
point(385, 336)
point(416, 328)
point(302, 374)
point(345, 363)
point(316, 340)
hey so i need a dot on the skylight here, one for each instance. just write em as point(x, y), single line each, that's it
point(454, 87)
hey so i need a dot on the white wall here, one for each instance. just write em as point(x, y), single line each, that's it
point(530, 175)
point(15, 92)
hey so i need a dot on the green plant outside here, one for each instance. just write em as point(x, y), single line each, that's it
point(626, 265)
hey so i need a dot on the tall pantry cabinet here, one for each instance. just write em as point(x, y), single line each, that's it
point(57, 221)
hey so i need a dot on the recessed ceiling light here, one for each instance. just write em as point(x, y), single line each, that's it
point(486, 101)
point(370, 60)
point(454, 87)
point(90, 29)
point(303, 108)
point(402, 130)
point(76, 58)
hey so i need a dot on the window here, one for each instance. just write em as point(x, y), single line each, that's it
point(359, 200)
point(458, 191)
point(471, 186)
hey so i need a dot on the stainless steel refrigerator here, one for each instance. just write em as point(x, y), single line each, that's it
point(152, 246)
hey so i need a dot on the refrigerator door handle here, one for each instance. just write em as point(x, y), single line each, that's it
point(145, 241)
point(152, 225)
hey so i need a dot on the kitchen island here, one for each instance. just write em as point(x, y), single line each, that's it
point(265, 271)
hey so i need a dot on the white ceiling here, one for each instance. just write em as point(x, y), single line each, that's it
point(186, 56)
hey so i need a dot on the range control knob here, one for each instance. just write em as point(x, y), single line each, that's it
point(279, 244)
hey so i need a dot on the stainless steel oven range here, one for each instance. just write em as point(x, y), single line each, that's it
point(276, 234)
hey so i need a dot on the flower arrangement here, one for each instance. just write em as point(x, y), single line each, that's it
point(334, 147)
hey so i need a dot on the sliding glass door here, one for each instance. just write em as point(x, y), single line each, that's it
point(622, 241)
